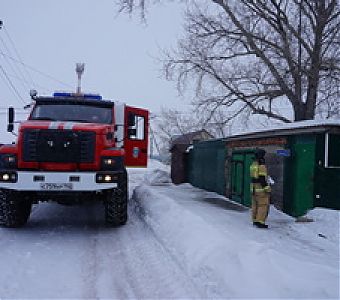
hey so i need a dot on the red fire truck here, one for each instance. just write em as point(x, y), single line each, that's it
point(72, 147)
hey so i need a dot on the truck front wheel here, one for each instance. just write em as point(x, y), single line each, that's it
point(14, 209)
point(116, 203)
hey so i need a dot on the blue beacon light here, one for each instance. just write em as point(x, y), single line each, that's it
point(72, 95)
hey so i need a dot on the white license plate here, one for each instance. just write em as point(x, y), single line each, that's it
point(56, 186)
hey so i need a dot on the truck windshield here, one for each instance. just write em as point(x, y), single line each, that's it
point(72, 112)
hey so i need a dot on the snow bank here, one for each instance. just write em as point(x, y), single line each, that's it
point(329, 229)
point(292, 125)
point(223, 263)
point(156, 173)
point(157, 177)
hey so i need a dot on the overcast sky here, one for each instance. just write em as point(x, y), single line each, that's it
point(119, 51)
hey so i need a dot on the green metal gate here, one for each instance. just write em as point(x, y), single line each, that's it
point(299, 176)
point(240, 176)
point(206, 166)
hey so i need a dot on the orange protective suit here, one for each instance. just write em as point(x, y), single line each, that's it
point(260, 191)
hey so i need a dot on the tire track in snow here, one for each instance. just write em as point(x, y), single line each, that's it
point(90, 259)
point(133, 264)
point(146, 266)
point(204, 291)
point(74, 255)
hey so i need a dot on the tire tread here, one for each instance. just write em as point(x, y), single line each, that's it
point(116, 203)
point(14, 212)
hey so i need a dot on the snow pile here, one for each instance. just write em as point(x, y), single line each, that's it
point(157, 177)
point(328, 230)
point(236, 262)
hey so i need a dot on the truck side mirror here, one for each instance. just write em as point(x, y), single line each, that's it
point(131, 119)
point(10, 126)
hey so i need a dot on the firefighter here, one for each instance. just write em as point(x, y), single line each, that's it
point(260, 190)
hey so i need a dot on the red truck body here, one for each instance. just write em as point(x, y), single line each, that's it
point(72, 145)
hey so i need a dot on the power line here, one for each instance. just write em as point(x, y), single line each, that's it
point(15, 107)
point(11, 85)
point(18, 55)
point(21, 77)
point(9, 62)
point(37, 71)
point(16, 112)
point(37, 85)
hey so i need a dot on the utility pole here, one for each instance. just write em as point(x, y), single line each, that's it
point(151, 142)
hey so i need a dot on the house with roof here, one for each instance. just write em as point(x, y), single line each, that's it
point(303, 158)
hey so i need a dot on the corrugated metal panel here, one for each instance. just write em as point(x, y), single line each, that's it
point(299, 176)
point(206, 166)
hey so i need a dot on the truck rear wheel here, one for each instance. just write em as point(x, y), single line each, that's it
point(14, 211)
point(116, 203)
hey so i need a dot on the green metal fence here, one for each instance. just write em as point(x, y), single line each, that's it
point(206, 166)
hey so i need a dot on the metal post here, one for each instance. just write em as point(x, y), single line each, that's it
point(80, 67)
point(151, 143)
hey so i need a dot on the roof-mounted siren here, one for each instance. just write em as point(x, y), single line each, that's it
point(80, 67)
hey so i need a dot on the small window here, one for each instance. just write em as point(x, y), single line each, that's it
point(332, 150)
point(137, 131)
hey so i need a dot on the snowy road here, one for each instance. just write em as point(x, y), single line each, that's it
point(179, 242)
point(67, 252)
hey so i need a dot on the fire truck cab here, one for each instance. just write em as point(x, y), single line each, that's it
point(72, 147)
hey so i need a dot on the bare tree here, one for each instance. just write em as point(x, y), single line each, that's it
point(170, 123)
point(249, 54)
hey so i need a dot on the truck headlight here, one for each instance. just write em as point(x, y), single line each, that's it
point(8, 176)
point(8, 161)
point(111, 163)
point(108, 161)
point(106, 177)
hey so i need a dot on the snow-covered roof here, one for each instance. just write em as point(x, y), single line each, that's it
point(187, 139)
point(307, 126)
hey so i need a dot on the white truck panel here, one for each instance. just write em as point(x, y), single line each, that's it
point(57, 181)
point(119, 110)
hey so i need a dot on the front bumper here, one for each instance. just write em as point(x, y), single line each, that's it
point(59, 181)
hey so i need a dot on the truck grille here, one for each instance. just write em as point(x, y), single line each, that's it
point(64, 146)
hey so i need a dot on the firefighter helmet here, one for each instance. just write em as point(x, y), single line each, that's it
point(260, 153)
